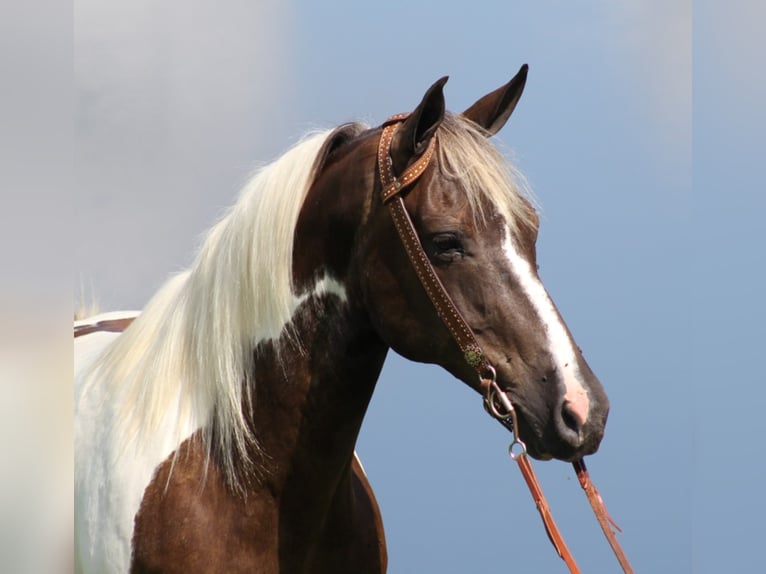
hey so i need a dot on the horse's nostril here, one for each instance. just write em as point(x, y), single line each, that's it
point(570, 425)
point(571, 420)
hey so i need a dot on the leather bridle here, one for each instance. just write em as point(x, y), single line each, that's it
point(497, 402)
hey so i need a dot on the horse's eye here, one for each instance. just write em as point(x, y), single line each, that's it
point(446, 247)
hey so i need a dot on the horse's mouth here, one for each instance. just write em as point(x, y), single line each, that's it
point(546, 437)
point(530, 436)
point(545, 454)
point(542, 443)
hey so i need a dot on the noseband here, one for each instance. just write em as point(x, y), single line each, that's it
point(497, 402)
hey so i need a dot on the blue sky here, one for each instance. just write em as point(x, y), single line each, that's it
point(641, 136)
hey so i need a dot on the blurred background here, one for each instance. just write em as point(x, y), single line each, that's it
point(640, 132)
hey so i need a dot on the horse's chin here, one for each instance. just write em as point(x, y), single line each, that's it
point(545, 456)
point(564, 455)
point(538, 451)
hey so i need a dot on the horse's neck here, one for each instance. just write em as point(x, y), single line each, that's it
point(311, 397)
point(309, 404)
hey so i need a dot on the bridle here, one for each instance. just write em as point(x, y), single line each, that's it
point(497, 402)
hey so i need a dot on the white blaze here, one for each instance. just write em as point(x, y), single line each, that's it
point(559, 343)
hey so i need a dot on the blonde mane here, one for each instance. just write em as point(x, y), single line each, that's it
point(190, 353)
point(188, 357)
point(466, 154)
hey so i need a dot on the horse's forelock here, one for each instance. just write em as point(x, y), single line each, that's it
point(467, 155)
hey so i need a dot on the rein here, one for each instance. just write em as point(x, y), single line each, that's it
point(108, 325)
point(496, 401)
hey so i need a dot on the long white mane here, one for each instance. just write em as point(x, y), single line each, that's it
point(190, 352)
point(189, 355)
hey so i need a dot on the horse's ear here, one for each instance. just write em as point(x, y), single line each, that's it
point(493, 110)
point(412, 137)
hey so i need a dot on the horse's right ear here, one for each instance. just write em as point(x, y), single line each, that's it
point(413, 135)
point(493, 110)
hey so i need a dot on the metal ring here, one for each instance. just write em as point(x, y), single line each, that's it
point(492, 377)
point(520, 443)
point(495, 392)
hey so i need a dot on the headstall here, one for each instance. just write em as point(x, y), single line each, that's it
point(496, 401)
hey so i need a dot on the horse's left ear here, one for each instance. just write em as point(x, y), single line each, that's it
point(412, 137)
point(493, 110)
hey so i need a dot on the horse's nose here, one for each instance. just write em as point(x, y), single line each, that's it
point(569, 423)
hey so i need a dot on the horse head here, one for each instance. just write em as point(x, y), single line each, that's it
point(479, 234)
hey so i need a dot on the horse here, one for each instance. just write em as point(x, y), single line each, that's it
point(215, 430)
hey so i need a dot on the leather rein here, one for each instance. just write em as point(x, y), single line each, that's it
point(105, 325)
point(497, 402)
